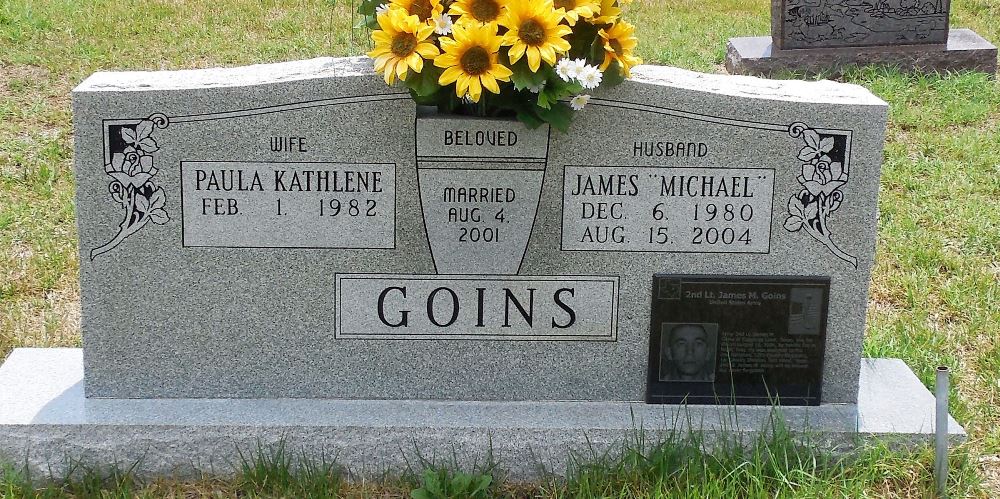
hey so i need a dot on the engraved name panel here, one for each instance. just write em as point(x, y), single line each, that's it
point(477, 307)
point(288, 205)
point(689, 210)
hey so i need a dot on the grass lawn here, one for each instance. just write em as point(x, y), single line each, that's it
point(936, 285)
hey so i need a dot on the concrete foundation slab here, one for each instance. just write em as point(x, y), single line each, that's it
point(965, 50)
point(48, 425)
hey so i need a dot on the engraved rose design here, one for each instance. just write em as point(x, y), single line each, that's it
point(822, 178)
point(823, 175)
point(141, 138)
point(131, 170)
point(820, 173)
point(132, 187)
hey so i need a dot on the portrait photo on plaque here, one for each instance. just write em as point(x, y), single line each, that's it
point(688, 351)
point(731, 339)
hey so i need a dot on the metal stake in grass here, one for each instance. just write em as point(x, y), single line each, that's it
point(941, 431)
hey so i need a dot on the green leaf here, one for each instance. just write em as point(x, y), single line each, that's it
point(559, 89)
point(367, 7)
point(426, 100)
point(560, 115)
point(582, 38)
point(545, 99)
point(597, 51)
point(613, 75)
point(461, 482)
point(424, 83)
point(529, 118)
point(555, 90)
point(571, 88)
point(524, 77)
point(433, 481)
point(482, 485)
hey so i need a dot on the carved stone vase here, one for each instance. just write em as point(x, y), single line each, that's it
point(479, 181)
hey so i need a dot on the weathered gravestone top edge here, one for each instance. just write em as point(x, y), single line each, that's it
point(256, 74)
point(822, 92)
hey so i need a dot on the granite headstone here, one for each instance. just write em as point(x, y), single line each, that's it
point(803, 24)
point(302, 237)
point(319, 238)
point(825, 37)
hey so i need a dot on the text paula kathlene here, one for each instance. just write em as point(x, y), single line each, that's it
point(283, 180)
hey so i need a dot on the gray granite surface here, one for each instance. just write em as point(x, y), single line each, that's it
point(799, 24)
point(964, 51)
point(196, 282)
point(48, 424)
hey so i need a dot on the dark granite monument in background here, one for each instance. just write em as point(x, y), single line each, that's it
point(826, 36)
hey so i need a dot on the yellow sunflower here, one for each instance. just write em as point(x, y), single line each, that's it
point(480, 11)
point(423, 9)
point(609, 13)
point(619, 41)
point(576, 9)
point(401, 44)
point(533, 31)
point(470, 60)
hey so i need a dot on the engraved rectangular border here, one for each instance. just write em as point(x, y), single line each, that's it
point(427, 120)
point(612, 335)
point(395, 205)
point(562, 218)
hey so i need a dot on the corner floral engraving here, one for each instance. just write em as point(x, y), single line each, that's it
point(132, 174)
point(824, 173)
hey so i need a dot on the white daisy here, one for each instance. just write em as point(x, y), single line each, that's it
point(442, 24)
point(579, 65)
point(590, 77)
point(579, 101)
point(381, 9)
point(536, 88)
point(563, 68)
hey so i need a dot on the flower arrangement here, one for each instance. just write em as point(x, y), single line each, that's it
point(536, 60)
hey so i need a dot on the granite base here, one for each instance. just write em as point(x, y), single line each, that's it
point(48, 425)
point(965, 50)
